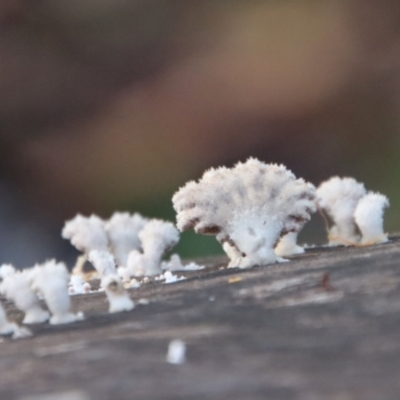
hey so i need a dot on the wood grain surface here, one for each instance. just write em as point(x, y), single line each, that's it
point(325, 325)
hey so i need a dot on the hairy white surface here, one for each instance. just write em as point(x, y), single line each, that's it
point(123, 232)
point(339, 198)
point(78, 286)
point(7, 270)
point(248, 206)
point(86, 233)
point(16, 287)
point(171, 278)
point(287, 245)
point(51, 281)
point(103, 261)
point(124, 274)
point(369, 218)
point(175, 264)
point(117, 296)
point(157, 237)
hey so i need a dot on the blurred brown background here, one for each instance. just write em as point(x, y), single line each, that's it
point(113, 104)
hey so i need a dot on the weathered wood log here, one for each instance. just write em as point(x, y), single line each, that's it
point(325, 325)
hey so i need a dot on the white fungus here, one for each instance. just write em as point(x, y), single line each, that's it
point(103, 261)
point(175, 264)
point(123, 233)
point(124, 274)
point(86, 233)
point(339, 198)
point(6, 270)
point(17, 288)
point(78, 286)
point(357, 215)
point(171, 278)
point(248, 207)
point(369, 218)
point(117, 296)
point(157, 237)
point(176, 352)
point(11, 328)
point(287, 245)
point(51, 281)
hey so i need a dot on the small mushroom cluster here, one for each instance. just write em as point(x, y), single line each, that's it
point(248, 207)
point(136, 243)
point(25, 288)
point(357, 215)
point(255, 210)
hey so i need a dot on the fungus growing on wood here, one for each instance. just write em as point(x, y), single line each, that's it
point(339, 198)
point(175, 264)
point(117, 296)
point(78, 286)
point(287, 245)
point(123, 233)
point(17, 288)
point(86, 234)
point(248, 207)
point(357, 215)
point(157, 238)
point(51, 280)
point(369, 218)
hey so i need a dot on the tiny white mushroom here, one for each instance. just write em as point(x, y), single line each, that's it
point(17, 288)
point(117, 296)
point(369, 218)
point(86, 234)
point(123, 232)
point(339, 198)
point(157, 237)
point(51, 281)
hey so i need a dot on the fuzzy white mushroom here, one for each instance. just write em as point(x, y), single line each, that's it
point(86, 234)
point(339, 198)
point(117, 296)
point(17, 288)
point(249, 207)
point(287, 245)
point(51, 281)
point(369, 218)
point(157, 237)
point(123, 232)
